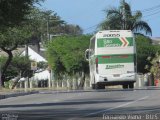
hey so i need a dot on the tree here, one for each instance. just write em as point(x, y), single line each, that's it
point(68, 29)
point(122, 18)
point(9, 41)
point(154, 68)
point(146, 52)
point(18, 67)
point(13, 12)
point(46, 23)
point(66, 54)
point(12, 29)
point(21, 65)
point(41, 23)
point(144, 49)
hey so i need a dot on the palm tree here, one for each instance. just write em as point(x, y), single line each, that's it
point(122, 18)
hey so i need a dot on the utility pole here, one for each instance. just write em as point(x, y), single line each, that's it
point(48, 34)
point(124, 15)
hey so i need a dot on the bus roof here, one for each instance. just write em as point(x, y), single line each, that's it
point(114, 33)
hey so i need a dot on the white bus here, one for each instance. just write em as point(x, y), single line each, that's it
point(112, 59)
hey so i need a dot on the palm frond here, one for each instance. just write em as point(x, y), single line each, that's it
point(126, 7)
point(115, 20)
point(142, 26)
point(137, 15)
point(113, 12)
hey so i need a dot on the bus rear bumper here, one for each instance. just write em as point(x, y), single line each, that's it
point(116, 78)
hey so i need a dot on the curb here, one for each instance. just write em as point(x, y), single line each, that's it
point(17, 94)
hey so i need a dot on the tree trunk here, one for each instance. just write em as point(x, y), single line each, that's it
point(5, 67)
point(8, 61)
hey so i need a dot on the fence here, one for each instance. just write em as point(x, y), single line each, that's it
point(64, 83)
point(142, 80)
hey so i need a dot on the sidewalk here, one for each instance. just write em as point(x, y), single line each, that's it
point(14, 93)
point(6, 93)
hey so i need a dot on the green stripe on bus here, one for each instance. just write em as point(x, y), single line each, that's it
point(120, 58)
point(114, 42)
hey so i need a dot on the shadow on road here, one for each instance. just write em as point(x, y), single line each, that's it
point(65, 103)
point(79, 114)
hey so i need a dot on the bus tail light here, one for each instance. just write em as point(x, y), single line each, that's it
point(96, 64)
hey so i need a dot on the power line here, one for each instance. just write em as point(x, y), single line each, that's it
point(152, 14)
point(155, 10)
point(86, 29)
point(150, 9)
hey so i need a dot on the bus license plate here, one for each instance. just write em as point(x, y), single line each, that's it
point(116, 75)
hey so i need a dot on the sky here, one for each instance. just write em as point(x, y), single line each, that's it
point(89, 13)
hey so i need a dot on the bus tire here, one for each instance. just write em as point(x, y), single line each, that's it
point(131, 85)
point(93, 86)
point(100, 86)
point(125, 86)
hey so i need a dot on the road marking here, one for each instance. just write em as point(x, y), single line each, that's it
point(94, 113)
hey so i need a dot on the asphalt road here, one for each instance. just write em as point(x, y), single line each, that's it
point(84, 105)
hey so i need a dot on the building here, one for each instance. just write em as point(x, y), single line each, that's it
point(156, 40)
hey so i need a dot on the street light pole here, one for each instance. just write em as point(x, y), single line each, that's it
point(48, 26)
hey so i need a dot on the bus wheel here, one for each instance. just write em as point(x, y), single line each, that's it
point(125, 86)
point(93, 86)
point(100, 86)
point(131, 85)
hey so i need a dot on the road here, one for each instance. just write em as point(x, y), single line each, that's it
point(84, 105)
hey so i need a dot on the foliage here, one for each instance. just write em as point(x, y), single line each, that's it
point(19, 65)
point(119, 19)
point(2, 61)
point(13, 31)
point(154, 68)
point(21, 23)
point(22, 65)
point(68, 29)
point(14, 36)
point(42, 65)
point(145, 51)
point(13, 12)
point(9, 41)
point(66, 54)
point(38, 21)
point(45, 23)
